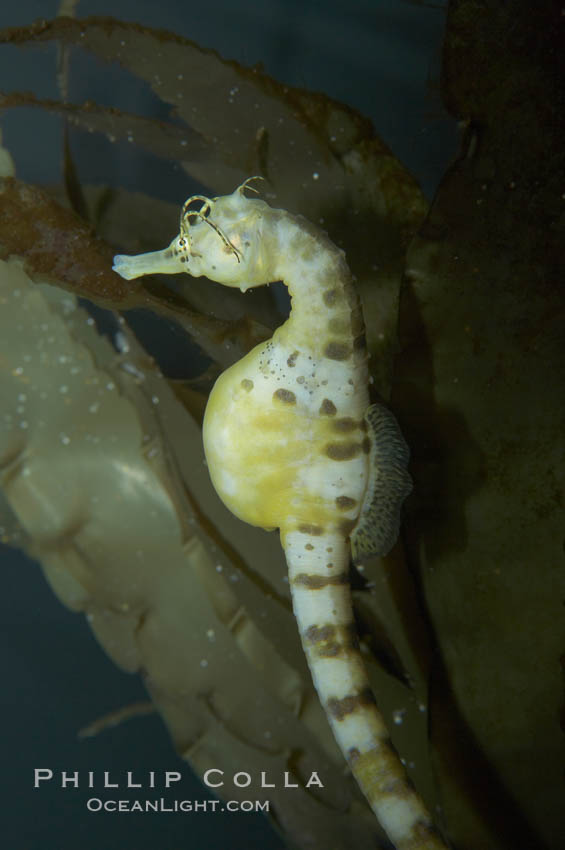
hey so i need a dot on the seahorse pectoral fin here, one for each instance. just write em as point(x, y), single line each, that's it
point(389, 484)
point(154, 262)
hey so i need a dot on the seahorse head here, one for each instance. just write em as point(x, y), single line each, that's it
point(221, 240)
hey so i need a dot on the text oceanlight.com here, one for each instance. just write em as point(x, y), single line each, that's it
point(95, 804)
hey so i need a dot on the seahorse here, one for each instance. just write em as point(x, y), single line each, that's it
point(292, 443)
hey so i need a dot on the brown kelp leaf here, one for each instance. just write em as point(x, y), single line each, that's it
point(309, 147)
point(315, 149)
point(167, 140)
point(217, 98)
point(58, 245)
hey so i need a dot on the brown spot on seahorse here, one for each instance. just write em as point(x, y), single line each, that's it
point(286, 396)
point(315, 634)
point(247, 384)
point(327, 408)
point(308, 528)
point(387, 781)
point(330, 649)
point(345, 503)
point(337, 350)
point(342, 451)
point(291, 360)
point(353, 755)
point(340, 708)
point(317, 582)
point(326, 641)
point(345, 425)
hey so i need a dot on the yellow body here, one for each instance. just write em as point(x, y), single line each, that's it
point(279, 477)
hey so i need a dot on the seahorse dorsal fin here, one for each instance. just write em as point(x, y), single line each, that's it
point(389, 484)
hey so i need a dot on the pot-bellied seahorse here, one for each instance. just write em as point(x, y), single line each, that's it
point(292, 443)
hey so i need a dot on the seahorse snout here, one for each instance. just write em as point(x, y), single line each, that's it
point(154, 262)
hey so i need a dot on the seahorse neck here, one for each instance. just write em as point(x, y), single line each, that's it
point(325, 312)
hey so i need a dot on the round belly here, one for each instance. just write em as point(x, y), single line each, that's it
point(273, 460)
point(255, 453)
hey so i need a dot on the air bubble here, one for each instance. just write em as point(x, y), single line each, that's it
point(121, 342)
point(398, 716)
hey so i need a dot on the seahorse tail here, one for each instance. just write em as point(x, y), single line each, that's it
point(318, 564)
